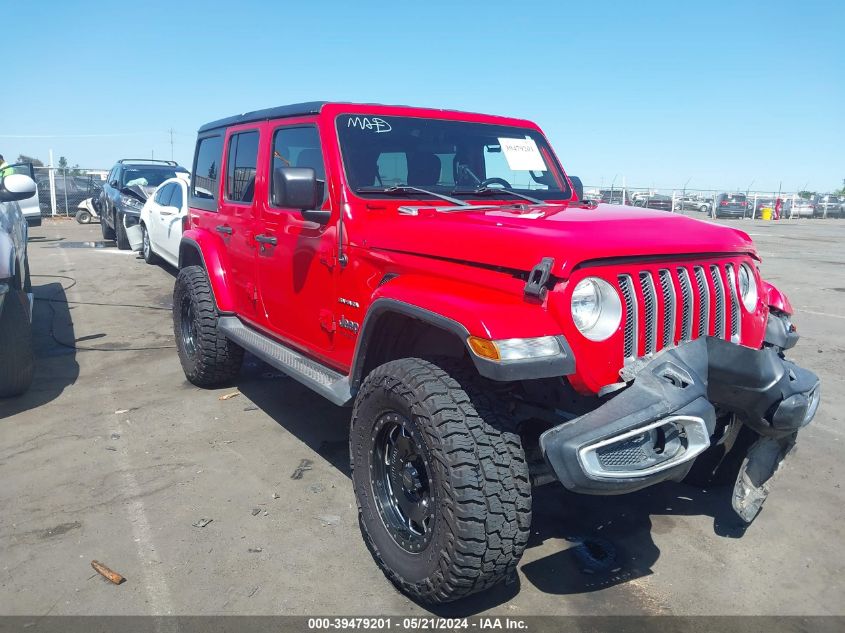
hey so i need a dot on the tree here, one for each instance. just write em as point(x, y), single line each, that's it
point(23, 158)
point(807, 195)
point(62, 162)
point(841, 192)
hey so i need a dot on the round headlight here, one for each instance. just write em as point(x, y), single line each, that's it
point(747, 287)
point(596, 308)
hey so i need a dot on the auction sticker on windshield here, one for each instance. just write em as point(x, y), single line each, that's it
point(522, 154)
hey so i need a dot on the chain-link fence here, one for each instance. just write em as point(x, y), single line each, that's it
point(714, 203)
point(61, 191)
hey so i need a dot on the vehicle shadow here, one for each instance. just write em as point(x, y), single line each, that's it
point(324, 428)
point(596, 541)
point(611, 538)
point(55, 364)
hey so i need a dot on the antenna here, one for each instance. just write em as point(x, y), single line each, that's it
point(171, 143)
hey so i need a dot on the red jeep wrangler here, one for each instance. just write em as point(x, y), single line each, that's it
point(440, 273)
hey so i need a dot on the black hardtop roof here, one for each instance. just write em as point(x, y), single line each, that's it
point(279, 112)
point(294, 109)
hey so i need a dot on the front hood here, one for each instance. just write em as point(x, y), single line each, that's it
point(141, 192)
point(519, 237)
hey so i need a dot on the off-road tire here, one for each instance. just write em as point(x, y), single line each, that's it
point(120, 231)
point(17, 360)
point(215, 360)
point(147, 246)
point(108, 232)
point(482, 492)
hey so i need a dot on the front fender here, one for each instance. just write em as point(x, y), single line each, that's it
point(209, 250)
point(776, 299)
point(483, 311)
point(467, 310)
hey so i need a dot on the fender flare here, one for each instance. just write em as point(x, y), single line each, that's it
point(776, 299)
point(212, 253)
point(549, 367)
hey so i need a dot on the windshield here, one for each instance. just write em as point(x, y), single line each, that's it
point(148, 176)
point(447, 157)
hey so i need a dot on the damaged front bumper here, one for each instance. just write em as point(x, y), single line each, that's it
point(654, 429)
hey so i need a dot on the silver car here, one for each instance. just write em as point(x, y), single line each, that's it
point(16, 355)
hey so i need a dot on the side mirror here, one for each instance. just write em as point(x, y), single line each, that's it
point(298, 188)
point(578, 186)
point(16, 187)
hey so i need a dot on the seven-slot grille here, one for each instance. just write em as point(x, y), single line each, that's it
point(670, 304)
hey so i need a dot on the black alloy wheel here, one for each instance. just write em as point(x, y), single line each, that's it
point(401, 480)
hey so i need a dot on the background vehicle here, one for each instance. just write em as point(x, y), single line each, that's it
point(87, 210)
point(159, 232)
point(692, 203)
point(654, 201)
point(760, 203)
point(70, 192)
point(830, 205)
point(125, 191)
point(615, 196)
point(16, 353)
point(437, 271)
point(732, 205)
point(801, 208)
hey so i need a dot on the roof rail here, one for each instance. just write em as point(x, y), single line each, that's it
point(173, 163)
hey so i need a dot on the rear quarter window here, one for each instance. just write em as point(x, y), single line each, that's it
point(207, 169)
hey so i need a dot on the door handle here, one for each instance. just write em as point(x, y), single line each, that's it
point(224, 229)
point(266, 239)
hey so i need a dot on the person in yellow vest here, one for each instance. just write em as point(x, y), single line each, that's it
point(5, 170)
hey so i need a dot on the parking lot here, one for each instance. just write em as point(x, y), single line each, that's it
point(113, 456)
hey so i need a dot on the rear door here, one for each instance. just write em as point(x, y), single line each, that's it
point(238, 214)
point(296, 262)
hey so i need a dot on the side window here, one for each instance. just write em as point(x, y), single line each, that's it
point(299, 147)
point(162, 196)
point(240, 167)
point(206, 168)
point(177, 199)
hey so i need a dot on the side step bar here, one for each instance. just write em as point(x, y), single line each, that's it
point(327, 382)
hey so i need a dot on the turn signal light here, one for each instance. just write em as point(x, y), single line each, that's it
point(484, 348)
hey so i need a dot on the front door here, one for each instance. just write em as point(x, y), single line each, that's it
point(157, 205)
point(296, 258)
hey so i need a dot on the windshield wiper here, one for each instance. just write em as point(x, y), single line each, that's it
point(488, 191)
point(406, 189)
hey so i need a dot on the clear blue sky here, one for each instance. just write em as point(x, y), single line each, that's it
point(721, 93)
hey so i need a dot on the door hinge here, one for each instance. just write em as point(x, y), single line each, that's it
point(252, 291)
point(327, 321)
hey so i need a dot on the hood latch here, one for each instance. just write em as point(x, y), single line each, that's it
point(535, 287)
